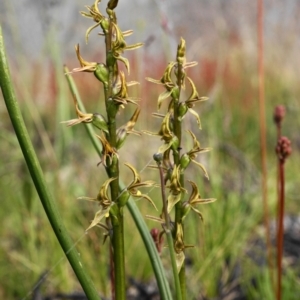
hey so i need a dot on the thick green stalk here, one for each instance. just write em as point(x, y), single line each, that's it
point(38, 177)
point(113, 172)
point(178, 206)
point(118, 256)
point(162, 282)
point(182, 275)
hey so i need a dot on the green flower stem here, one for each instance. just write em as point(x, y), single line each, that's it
point(113, 172)
point(118, 256)
point(182, 275)
point(38, 177)
point(162, 282)
point(174, 266)
point(118, 242)
point(178, 206)
point(169, 234)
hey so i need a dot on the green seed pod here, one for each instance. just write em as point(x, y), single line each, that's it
point(99, 122)
point(175, 143)
point(124, 198)
point(105, 25)
point(101, 73)
point(185, 209)
point(121, 137)
point(175, 92)
point(182, 110)
point(184, 161)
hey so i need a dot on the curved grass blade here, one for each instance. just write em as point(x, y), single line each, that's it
point(38, 177)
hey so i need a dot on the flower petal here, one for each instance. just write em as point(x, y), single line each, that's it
point(162, 97)
point(140, 195)
point(204, 201)
point(125, 61)
point(156, 219)
point(195, 114)
point(87, 33)
point(100, 214)
point(202, 167)
point(153, 80)
point(172, 200)
point(180, 257)
point(197, 212)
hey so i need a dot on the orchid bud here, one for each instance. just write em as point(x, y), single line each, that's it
point(101, 73)
point(121, 137)
point(123, 198)
point(182, 110)
point(175, 144)
point(181, 51)
point(185, 209)
point(105, 25)
point(184, 161)
point(175, 92)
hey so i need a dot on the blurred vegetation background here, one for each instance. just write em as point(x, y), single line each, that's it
point(229, 257)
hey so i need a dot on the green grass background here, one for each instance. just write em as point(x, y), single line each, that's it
point(230, 126)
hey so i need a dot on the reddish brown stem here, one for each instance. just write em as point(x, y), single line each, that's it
point(278, 186)
point(280, 229)
point(283, 150)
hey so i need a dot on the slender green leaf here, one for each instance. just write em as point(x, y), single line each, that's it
point(38, 177)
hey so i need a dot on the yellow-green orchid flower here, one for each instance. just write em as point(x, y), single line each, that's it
point(104, 201)
point(197, 149)
point(121, 93)
point(133, 187)
point(99, 69)
point(81, 117)
point(85, 65)
point(119, 45)
point(190, 102)
point(96, 119)
point(168, 83)
point(195, 199)
point(175, 188)
point(96, 15)
point(192, 154)
point(181, 62)
point(128, 128)
point(179, 246)
point(108, 152)
point(166, 134)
